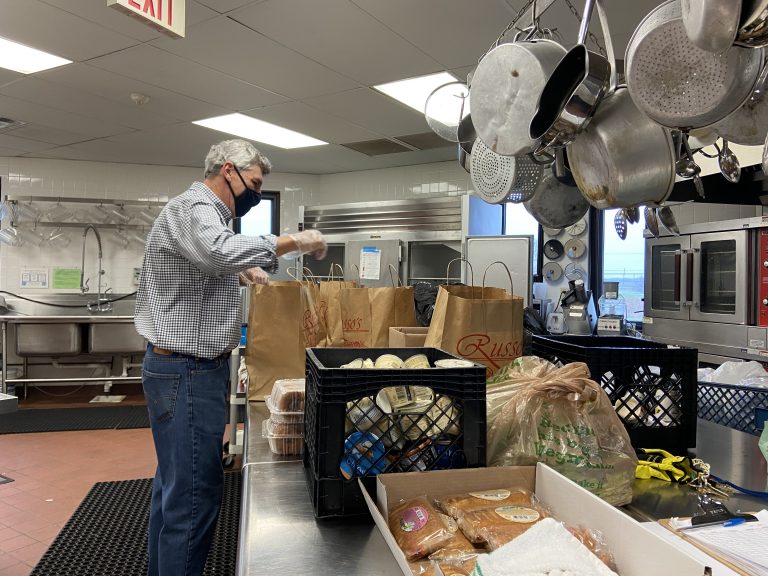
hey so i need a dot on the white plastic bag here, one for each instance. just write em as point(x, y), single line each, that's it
point(736, 372)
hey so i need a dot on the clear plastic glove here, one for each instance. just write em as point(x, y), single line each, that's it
point(254, 276)
point(309, 242)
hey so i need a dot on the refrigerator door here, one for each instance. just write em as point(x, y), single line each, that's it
point(373, 263)
point(514, 251)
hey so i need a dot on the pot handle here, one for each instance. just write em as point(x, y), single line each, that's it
point(609, 51)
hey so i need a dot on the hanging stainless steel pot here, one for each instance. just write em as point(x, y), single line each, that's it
point(575, 88)
point(753, 30)
point(748, 124)
point(623, 158)
point(680, 85)
point(505, 88)
point(556, 205)
point(711, 24)
point(467, 137)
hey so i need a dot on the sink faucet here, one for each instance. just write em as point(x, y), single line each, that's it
point(101, 304)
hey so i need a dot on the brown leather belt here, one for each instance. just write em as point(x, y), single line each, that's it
point(161, 351)
point(165, 352)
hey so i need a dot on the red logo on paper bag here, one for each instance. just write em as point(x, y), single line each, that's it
point(310, 328)
point(481, 348)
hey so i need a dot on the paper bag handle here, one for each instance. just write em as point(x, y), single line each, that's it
point(332, 272)
point(356, 267)
point(509, 274)
point(392, 273)
point(293, 272)
point(467, 262)
point(309, 274)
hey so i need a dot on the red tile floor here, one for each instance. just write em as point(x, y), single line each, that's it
point(53, 471)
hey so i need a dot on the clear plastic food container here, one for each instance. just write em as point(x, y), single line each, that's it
point(274, 428)
point(288, 395)
point(282, 445)
point(277, 415)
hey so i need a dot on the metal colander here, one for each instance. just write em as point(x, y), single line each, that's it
point(680, 85)
point(498, 178)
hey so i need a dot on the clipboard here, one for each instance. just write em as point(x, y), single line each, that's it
point(666, 523)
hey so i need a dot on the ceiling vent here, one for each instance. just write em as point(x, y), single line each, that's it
point(424, 141)
point(376, 147)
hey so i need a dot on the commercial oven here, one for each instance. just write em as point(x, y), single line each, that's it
point(708, 288)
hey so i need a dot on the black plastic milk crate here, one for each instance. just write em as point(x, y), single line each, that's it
point(733, 405)
point(448, 431)
point(652, 386)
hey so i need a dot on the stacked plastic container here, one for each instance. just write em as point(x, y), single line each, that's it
point(284, 429)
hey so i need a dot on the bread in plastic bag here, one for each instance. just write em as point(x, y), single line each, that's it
point(418, 528)
point(458, 567)
point(501, 524)
point(422, 568)
point(459, 504)
point(594, 540)
point(537, 412)
point(457, 547)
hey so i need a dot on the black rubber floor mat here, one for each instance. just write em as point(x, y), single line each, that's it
point(107, 534)
point(66, 419)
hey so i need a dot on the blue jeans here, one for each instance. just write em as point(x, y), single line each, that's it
point(187, 402)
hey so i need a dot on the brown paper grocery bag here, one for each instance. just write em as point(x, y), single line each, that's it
point(368, 313)
point(484, 325)
point(278, 333)
point(328, 307)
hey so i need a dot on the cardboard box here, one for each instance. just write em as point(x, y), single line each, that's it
point(407, 337)
point(637, 550)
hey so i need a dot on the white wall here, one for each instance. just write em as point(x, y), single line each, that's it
point(24, 177)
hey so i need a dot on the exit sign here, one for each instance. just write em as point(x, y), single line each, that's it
point(164, 15)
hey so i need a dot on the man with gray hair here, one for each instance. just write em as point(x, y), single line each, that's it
point(187, 307)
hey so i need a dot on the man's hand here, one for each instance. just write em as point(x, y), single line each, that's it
point(253, 276)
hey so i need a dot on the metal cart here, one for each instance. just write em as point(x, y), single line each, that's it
point(234, 445)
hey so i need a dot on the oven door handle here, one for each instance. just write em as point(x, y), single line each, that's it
point(689, 277)
point(678, 275)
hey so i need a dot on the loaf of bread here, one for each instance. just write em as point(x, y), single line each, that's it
point(457, 547)
point(460, 504)
point(287, 428)
point(418, 528)
point(422, 568)
point(460, 567)
point(500, 525)
point(593, 540)
point(288, 395)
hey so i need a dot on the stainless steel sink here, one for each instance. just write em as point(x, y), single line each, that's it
point(65, 327)
point(114, 338)
point(61, 339)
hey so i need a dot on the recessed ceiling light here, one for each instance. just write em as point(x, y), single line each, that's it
point(414, 92)
point(20, 58)
point(258, 130)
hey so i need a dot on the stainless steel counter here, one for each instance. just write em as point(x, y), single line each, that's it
point(278, 530)
point(279, 533)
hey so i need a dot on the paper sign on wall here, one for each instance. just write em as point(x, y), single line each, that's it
point(370, 263)
point(65, 278)
point(34, 278)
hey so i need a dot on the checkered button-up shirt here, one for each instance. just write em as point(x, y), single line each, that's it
point(188, 297)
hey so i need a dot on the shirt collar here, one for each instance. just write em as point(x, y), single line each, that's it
point(217, 202)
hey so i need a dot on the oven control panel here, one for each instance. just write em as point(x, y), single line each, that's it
point(762, 262)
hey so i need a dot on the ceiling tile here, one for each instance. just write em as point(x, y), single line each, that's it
point(341, 36)
point(10, 140)
point(183, 144)
point(453, 32)
point(7, 76)
point(47, 134)
point(118, 88)
point(44, 116)
point(224, 6)
point(62, 97)
point(127, 24)
point(160, 68)
point(254, 58)
point(372, 110)
point(48, 28)
point(311, 121)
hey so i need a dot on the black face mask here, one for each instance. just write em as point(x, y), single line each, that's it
point(247, 200)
